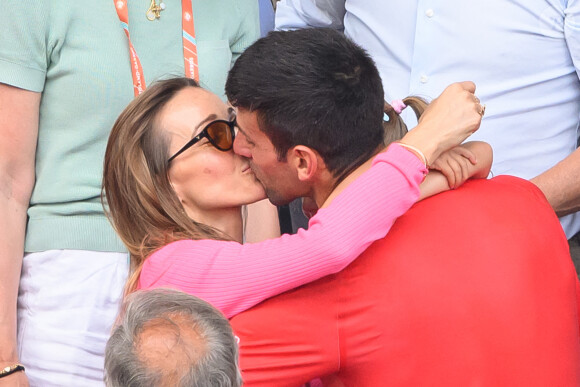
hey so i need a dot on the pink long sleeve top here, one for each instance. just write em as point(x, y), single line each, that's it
point(234, 277)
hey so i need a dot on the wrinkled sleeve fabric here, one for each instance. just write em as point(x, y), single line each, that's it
point(234, 277)
point(24, 31)
point(295, 14)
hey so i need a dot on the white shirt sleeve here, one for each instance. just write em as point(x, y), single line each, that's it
point(295, 14)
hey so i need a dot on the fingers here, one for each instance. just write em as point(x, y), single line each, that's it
point(465, 93)
point(445, 168)
point(442, 165)
point(468, 86)
point(463, 171)
point(448, 121)
point(455, 166)
point(482, 109)
point(458, 171)
point(466, 153)
point(452, 173)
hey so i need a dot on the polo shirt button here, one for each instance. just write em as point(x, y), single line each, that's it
point(424, 79)
point(429, 12)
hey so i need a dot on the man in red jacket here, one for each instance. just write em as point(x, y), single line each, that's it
point(471, 287)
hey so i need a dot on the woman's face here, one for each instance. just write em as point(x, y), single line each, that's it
point(205, 179)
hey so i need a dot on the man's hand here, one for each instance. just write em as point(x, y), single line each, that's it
point(448, 121)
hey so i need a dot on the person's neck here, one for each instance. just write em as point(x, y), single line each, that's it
point(227, 220)
point(325, 192)
point(323, 189)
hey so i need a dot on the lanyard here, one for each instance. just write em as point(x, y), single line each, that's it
point(189, 44)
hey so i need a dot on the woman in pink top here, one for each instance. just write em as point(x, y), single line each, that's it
point(175, 190)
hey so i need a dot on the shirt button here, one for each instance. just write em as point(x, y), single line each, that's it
point(429, 12)
point(424, 79)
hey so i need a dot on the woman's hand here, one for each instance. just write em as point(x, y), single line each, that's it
point(447, 122)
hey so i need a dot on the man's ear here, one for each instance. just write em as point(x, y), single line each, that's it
point(306, 161)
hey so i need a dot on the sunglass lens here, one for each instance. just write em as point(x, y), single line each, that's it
point(221, 135)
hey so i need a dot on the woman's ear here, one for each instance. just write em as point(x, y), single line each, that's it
point(306, 161)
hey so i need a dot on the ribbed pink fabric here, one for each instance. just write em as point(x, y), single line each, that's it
point(234, 277)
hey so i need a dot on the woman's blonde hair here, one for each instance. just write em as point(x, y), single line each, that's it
point(137, 195)
point(395, 128)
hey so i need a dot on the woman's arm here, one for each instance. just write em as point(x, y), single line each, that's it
point(234, 277)
point(471, 160)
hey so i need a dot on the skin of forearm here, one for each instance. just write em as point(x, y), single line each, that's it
point(14, 200)
point(434, 183)
point(561, 184)
point(18, 137)
point(13, 223)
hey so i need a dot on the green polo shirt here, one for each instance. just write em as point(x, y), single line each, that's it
point(76, 54)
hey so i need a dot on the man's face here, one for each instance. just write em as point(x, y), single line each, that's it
point(279, 178)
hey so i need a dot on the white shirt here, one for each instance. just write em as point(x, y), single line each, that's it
point(523, 55)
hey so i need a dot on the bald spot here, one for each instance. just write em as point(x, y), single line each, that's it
point(170, 345)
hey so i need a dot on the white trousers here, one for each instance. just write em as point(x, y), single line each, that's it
point(67, 303)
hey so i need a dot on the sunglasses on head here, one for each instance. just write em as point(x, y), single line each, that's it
point(220, 134)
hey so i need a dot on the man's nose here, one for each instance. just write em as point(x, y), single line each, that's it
point(241, 147)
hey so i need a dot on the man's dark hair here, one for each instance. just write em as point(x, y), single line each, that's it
point(312, 87)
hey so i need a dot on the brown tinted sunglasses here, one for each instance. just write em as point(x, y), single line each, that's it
point(220, 133)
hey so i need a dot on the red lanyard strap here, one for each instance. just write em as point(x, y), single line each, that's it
point(189, 44)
